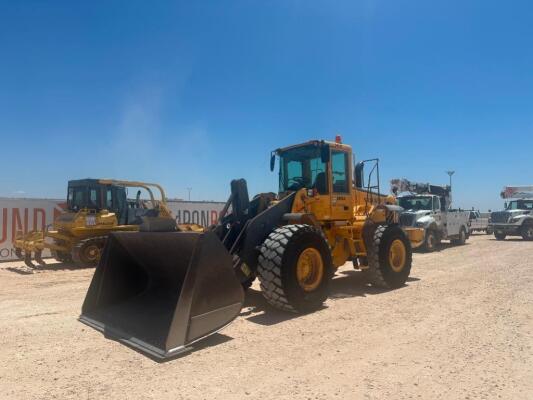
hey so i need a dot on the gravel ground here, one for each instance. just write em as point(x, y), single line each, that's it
point(462, 328)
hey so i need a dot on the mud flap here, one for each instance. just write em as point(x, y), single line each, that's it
point(160, 292)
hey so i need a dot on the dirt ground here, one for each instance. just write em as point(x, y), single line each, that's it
point(462, 328)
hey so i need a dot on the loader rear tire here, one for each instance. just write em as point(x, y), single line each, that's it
point(389, 257)
point(295, 268)
point(88, 251)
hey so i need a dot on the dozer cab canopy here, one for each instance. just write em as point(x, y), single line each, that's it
point(111, 195)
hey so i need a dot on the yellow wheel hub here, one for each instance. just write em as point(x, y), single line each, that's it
point(92, 253)
point(310, 269)
point(397, 255)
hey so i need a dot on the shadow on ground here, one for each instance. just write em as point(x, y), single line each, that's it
point(511, 239)
point(52, 266)
point(442, 246)
point(346, 284)
point(210, 341)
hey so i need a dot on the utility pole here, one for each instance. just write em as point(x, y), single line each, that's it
point(189, 189)
point(450, 173)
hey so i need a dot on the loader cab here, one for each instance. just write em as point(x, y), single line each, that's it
point(324, 169)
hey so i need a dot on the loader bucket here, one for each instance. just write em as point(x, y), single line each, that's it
point(162, 291)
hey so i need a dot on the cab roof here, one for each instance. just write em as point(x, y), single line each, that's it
point(340, 146)
point(85, 182)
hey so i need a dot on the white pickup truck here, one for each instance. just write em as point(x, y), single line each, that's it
point(479, 222)
point(427, 206)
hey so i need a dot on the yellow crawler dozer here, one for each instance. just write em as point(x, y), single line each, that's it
point(95, 208)
point(161, 292)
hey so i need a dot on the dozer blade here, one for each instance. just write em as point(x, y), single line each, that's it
point(162, 291)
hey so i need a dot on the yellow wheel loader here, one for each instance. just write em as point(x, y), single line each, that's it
point(162, 292)
point(95, 208)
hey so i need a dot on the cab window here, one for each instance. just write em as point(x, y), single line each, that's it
point(94, 201)
point(436, 203)
point(339, 171)
point(109, 199)
point(302, 167)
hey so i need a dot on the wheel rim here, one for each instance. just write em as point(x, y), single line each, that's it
point(397, 256)
point(92, 253)
point(529, 232)
point(310, 269)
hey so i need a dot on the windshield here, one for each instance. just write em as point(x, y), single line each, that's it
point(302, 167)
point(415, 203)
point(520, 205)
point(83, 197)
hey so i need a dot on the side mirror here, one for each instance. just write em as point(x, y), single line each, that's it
point(505, 205)
point(359, 174)
point(272, 161)
point(324, 153)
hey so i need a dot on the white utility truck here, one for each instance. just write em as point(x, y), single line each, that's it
point(517, 218)
point(428, 206)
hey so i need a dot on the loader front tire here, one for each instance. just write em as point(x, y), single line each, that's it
point(295, 268)
point(88, 251)
point(389, 257)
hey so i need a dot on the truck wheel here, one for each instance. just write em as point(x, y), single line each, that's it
point(500, 236)
point(389, 257)
point(295, 268)
point(88, 251)
point(461, 239)
point(430, 243)
point(527, 231)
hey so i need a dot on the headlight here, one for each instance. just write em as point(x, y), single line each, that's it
point(420, 224)
point(515, 219)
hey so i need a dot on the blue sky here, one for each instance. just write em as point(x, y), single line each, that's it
point(193, 94)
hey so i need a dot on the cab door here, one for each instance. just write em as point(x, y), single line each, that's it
point(340, 184)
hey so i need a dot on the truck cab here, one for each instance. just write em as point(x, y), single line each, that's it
point(428, 207)
point(515, 220)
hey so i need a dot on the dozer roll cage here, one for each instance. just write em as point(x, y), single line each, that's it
point(145, 185)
